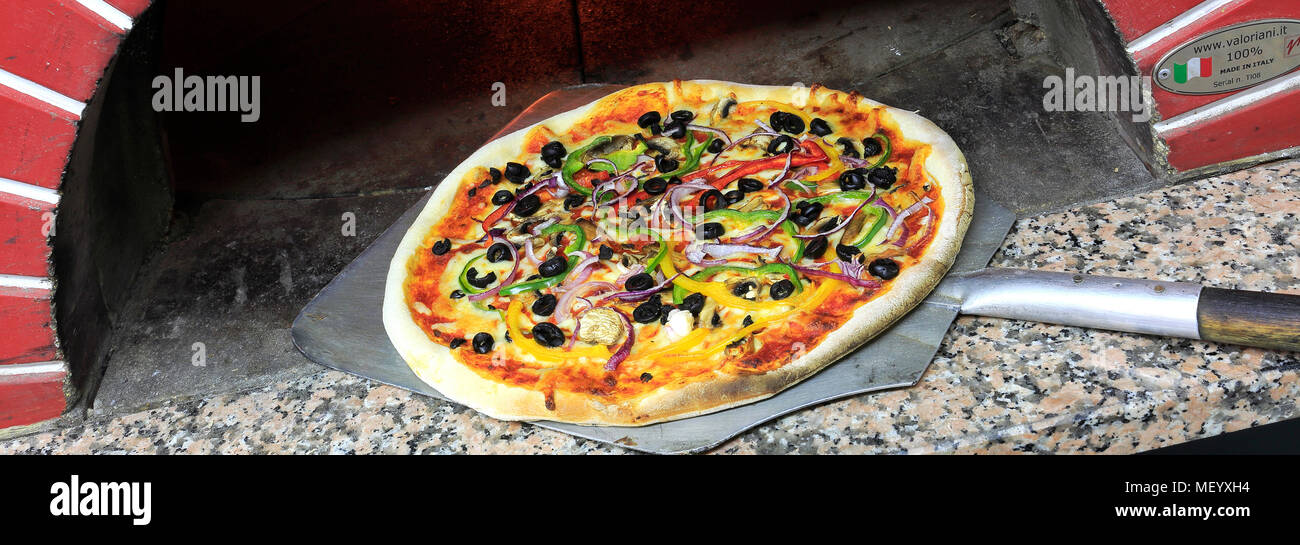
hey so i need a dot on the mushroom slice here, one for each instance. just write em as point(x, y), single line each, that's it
point(616, 143)
point(601, 326)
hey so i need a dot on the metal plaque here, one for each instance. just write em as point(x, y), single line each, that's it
point(1232, 58)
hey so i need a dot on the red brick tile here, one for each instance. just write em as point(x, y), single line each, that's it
point(58, 44)
point(34, 143)
point(1137, 17)
point(25, 318)
point(23, 247)
point(28, 399)
point(1261, 127)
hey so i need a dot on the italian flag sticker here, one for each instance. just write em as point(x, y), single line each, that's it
point(1196, 67)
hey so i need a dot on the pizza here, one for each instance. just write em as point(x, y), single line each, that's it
point(673, 249)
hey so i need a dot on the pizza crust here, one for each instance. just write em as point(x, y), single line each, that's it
point(435, 365)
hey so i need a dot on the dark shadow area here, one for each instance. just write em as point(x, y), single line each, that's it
point(115, 208)
point(1277, 438)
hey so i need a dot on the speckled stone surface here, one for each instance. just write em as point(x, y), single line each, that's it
point(996, 386)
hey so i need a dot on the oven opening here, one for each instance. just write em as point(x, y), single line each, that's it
point(189, 239)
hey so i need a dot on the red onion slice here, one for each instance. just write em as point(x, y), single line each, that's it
point(612, 167)
point(537, 229)
point(573, 337)
point(788, 158)
point(728, 250)
point(581, 271)
point(761, 233)
point(564, 306)
point(716, 132)
point(854, 162)
point(612, 183)
point(695, 254)
point(528, 250)
point(898, 219)
point(638, 269)
point(626, 349)
point(850, 268)
point(929, 224)
point(767, 132)
point(859, 282)
point(842, 224)
point(674, 199)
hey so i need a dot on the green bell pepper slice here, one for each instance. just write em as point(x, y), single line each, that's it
point(884, 155)
point(463, 278)
point(579, 238)
point(573, 163)
point(579, 241)
point(541, 282)
point(693, 156)
point(842, 196)
point(663, 249)
point(622, 160)
point(882, 219)
point(757, 215)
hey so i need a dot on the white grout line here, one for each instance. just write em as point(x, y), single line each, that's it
point(41, 93)
point(1225, 106)
point(34, 368)
point(30, 191)
point(26, 282)
point(1176, 24)
point(109, 13)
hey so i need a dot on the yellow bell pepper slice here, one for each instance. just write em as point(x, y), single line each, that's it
point(718, 292)
point(818, 297)
point(542, 353)
point(691, 339)
point(835, 163)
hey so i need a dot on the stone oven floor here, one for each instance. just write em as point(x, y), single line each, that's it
point(996, 385)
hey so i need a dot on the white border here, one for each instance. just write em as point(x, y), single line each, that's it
point(35, 192)
point(1225, 106)
point(33, 368)
point(108, 12)
point(26, 282)
point(1176, 24)
point(41, 93)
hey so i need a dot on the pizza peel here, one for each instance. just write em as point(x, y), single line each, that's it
point(342, 327)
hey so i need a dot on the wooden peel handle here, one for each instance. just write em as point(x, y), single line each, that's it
point(1173, 309)
point(1251, 318)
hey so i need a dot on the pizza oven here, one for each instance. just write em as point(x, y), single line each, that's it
point(178, 179)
